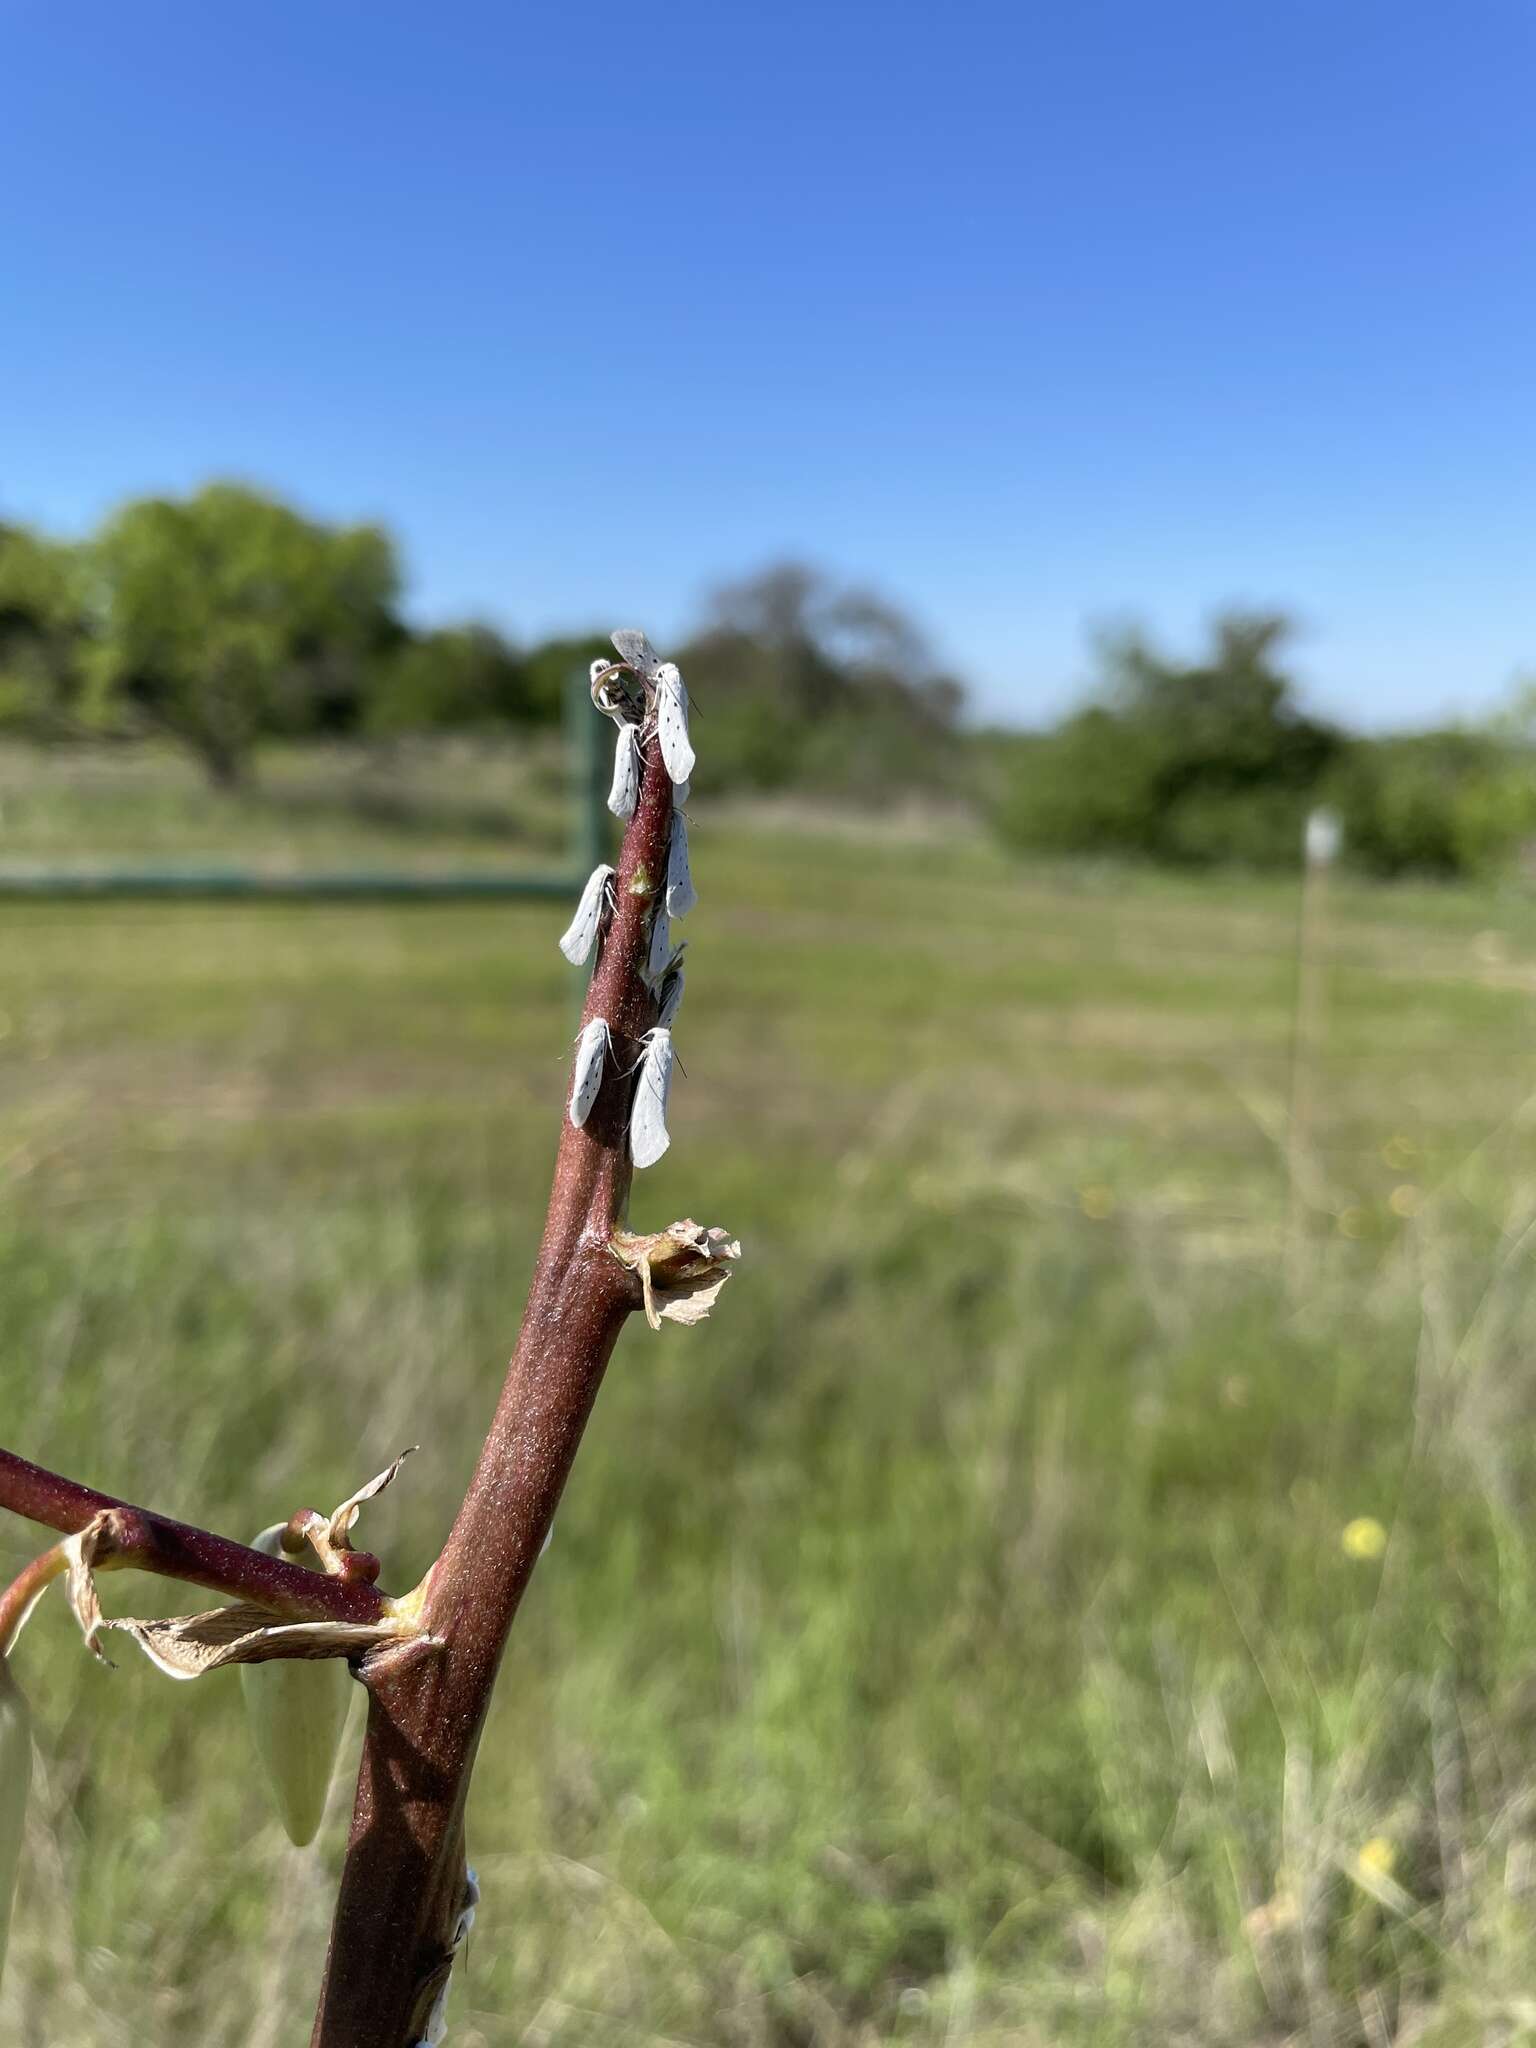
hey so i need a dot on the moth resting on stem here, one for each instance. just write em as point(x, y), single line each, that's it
point(428, 1659)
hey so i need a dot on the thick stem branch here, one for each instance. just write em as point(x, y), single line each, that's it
point(403, 1881)
point(176, 1550)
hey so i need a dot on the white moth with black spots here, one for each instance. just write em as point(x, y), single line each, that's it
point(672, 722)
point(681, 894)
point(648, 1138)
point(660, 956)
point(576, 943)
point(626, 772)
point(638, 652)
point(592, 1049)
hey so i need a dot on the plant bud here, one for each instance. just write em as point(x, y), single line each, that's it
point(15, 1779)
point(297, 1708)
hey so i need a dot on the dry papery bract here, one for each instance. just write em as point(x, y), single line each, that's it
point(681, 1269)
point(187, 1645)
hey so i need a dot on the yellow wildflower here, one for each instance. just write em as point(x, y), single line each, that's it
point(1364, 1538)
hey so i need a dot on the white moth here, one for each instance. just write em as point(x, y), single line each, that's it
point(626, 772)
point(672, 721)
point(638, 652)
point(681, 894)
point(659, 958)
point(576, 943)
point(648, 1119)
point(592, 1048)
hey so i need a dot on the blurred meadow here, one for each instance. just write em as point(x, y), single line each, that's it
point(1079, 1586)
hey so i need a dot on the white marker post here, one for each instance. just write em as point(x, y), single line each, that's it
point(1321, 841)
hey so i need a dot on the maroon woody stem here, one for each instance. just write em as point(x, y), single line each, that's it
point(403, 1881)
point(175, 1550)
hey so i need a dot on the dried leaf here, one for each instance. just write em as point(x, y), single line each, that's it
point(329, 1536)
point(344, 1516)
point(82, 1550)
point(681, 1269)
point(691, 1300)
point(187, 1645)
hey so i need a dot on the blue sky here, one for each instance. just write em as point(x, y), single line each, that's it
point(1028, 315)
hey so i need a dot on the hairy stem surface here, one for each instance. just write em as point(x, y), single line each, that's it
point(402, 1886)
point(175, 1550)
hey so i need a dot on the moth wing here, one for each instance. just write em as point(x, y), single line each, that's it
point(591, 1051)
point(626, 772)
point(681, 894)
point(638, 652)
point(648, 1138)
point(660, 956)
point(576, 941)
point(672, 723)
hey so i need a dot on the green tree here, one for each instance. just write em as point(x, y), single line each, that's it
point(1179, 761)
point(228, 614)
point(1453, 803)
point(454, 676)
point(808, 681)
point(548, 668)
point(44, 633)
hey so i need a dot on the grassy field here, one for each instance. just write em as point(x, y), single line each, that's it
point(955, 1639)
point(434, 804)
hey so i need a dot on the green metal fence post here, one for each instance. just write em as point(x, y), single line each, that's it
point(590, 835)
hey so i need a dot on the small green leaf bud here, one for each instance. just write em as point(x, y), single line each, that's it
point(297, 1708)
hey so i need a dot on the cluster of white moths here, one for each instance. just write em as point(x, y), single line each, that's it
point(661, 698)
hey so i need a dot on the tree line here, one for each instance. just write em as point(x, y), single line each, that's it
point(228, 617)
point(1190, 763)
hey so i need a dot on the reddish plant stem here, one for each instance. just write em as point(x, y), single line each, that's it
point(403, 1881)
point(175, 1550)
point(16, 1601)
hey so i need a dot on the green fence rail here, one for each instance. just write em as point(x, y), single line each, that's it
point(589, 838)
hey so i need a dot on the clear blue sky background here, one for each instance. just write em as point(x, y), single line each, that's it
point(1028, 314)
